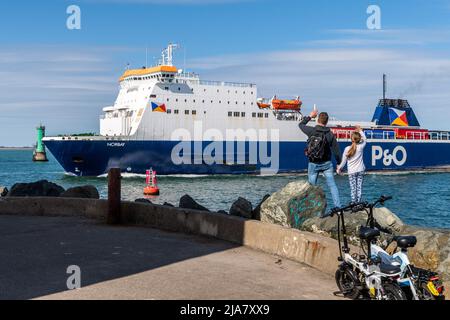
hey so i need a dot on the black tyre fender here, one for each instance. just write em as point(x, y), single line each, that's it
point(347, 281)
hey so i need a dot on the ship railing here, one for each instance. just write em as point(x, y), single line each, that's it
point(391, 135)
point(197, 81)
point(437, 135)
point(411, 135)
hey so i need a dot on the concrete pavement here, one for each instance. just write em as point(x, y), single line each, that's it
point(142, 263)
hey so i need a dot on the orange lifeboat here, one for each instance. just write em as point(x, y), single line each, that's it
point(262, 105)
point(279, 104)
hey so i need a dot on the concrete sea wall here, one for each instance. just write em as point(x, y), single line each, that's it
point(312, 249)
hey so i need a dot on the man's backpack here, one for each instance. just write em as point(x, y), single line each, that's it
point(317, 143)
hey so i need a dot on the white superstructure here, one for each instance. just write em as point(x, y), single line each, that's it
point(183, 99)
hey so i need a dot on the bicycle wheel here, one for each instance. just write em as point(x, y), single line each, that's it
point(347, 283)
point(393, 291)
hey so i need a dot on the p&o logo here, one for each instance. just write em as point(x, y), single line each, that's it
point(398, 156)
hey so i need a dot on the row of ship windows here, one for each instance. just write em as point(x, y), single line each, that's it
point(158, 76)
point(204, 90)
point(203, 101)
point(176, 111)
point(242, 114)
point(230, 113)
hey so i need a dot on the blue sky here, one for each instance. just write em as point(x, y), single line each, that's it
point(320, 50)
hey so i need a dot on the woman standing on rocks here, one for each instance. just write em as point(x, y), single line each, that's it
point(353, 156)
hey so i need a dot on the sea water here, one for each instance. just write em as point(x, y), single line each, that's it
point(421, 199)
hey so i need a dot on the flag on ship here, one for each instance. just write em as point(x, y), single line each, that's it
point(398, 117)
point(158, 107)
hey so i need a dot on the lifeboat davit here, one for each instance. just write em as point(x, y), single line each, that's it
point(279, 104)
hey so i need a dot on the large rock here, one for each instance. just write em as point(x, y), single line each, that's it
point(256, 213)
point(387, 221)
point(187, 202)
point(41, 188)
point(142, 200)
point(89, 192)
point(294, 204)
point(432, 250)
point(168, 204)
point(3, 191)
point(241, 208)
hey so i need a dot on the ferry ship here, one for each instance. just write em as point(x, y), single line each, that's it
point(176, 123)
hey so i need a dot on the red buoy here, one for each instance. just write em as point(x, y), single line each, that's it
point(152, 186)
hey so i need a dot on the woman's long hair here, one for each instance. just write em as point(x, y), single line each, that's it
point(356, 139)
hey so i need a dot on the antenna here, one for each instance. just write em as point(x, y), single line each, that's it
point(167, 54)
point(146, 56)
point(384, 87)
point(184, 62)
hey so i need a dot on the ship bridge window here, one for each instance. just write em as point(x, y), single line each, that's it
point(260, 115)
point(243, 114)
point(194, 112)
point(236, 114)
point(175, 111)
point(230, 113)
point(169, 111)
point(254, 114)
point(186, 111)
point(266, 115)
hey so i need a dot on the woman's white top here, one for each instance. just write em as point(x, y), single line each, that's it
point(356, 163)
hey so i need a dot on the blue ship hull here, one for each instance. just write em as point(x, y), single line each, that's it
point(95, 157)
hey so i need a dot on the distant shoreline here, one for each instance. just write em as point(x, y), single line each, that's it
point(16, 148)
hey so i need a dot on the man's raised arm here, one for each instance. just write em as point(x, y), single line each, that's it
point(303, 124)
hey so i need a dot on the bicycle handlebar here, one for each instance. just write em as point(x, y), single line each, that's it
point(358, 206)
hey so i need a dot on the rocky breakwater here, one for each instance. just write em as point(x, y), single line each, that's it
point(44, 188)
point(300, 205)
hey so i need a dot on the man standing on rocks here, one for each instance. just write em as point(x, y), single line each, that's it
point(321, 144)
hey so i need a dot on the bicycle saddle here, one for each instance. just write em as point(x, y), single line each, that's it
point(406, 241)
point(389, 269)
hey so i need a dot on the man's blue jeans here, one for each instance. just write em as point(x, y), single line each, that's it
point(327, 168)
